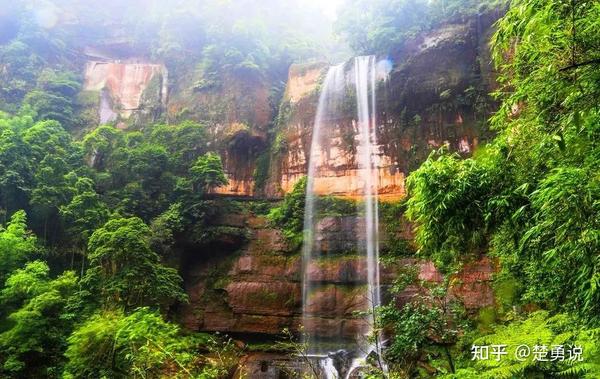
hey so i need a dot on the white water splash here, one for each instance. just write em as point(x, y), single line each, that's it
point(329, 370)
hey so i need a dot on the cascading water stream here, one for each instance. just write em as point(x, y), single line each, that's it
point(329, 100)
point(331, 118)
point(364, 75)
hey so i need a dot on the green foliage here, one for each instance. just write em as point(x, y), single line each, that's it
point(381, 26)
point(39, 323)
point(143, 173)
point(565, 231)
point(448, 201)
point(165, 228)
point(26, 78)
point(85, 212)
point(430, 323)
point(34, 162)
point(553, 70)
point(17, 245)
point(19, 75)
point(541, 329)
point(531, 197)
point(289, 216)
point(137, 172)
point(394, 221)
point(124, 271)
point(332, 206)
point(98, 145)
point(184, 142)
point(207, 173)
point(55, 97)
point(15, 172)
point(261, 172)
point(115, 345)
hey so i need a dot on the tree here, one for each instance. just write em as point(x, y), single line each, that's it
point(289, 216)
point(165, 228)
point(48, 137)
point(99, 144)
point(54, 97)
point(449, 199)
point(124, 271)
point(207, 173)
point(52, 190)
point(538, 329)
point(141, 344)
point(184, 142)
point(40, 321)
point(16, 176)
point(85, 212)
point(429, 324)
point(142, 181)
point(19, 75)
point(17, 245)
point(82, 215)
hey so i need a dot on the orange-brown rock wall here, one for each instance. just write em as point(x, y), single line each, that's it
point(256, 288)
point(123, 85)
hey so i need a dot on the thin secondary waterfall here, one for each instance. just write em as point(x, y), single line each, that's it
point(345, 119)
point(365, 75)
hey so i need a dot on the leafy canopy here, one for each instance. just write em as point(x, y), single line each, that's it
point(531, 197)
point(141, 344)
point(125, 271)
point(39, 323)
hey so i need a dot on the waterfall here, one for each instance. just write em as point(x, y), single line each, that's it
point(365, 73)
point(355, 235)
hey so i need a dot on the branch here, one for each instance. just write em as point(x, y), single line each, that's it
point(593, 61)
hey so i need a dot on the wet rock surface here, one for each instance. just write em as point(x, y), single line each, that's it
point(428, 101)
point(342, 360)
point(339, 234)
point(435, 96)
point(255, 287)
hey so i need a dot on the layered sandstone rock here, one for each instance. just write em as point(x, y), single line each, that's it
point(256, 287)
point(255, 291)
point(125, 86)
point(436, 95)
point(338, 172)
point(237, 112)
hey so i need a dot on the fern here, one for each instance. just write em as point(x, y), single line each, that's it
point(539, 329)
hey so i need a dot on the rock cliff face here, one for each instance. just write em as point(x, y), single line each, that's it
point(126, 89)
point(338, 165)
point(254, 287)
point(249, 282)
point(237, 112)
point(435, 95)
